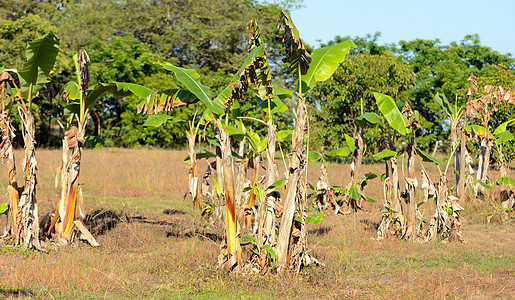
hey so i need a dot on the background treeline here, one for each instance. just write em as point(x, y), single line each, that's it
point(125, 39)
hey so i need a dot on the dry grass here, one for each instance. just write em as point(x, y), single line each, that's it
point(149, 254)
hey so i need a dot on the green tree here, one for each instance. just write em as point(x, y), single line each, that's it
point(338, 101)
point(366, 44)
point(15, 33)
point(445, 69)
point(124, 59)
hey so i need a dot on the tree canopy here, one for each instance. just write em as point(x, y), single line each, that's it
point(125, 39)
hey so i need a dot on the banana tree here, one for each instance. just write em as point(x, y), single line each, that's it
point(507, 196)
point(446, 218)
point(455, 113)
point(41, 55)
point(253, 71)
point(352, 194)
point(482, 109)
point(325, 192)
point(498, 138)
point(308, 69)
point(6, 148)
point(405, 123)
point(392, 222)
point(81, 98)
point(269, 99)
point(366, 120)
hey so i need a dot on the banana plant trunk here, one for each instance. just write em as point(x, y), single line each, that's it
point(409, 197)
point(252, 199)
point(241, 176)
point(295, 170)
point(230, 209)
point(454, 143)
point(463, 166)
point(6, 149)
point(7, 153)
point(484, 161)
point(193, 179)
point(219, 182)
point(395, 188)
point(486, 164)
point(268, 232)
point(27, 222)
point(502, 164)
point(70, 169)
point(356, 166)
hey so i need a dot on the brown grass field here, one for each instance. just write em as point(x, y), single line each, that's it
point(154, 249)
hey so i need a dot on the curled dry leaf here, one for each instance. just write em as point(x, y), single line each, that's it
point(5, 76)
point(427, 186)
point(296, 53)
point(83, 69)
point(75, 141)
point(473, 85)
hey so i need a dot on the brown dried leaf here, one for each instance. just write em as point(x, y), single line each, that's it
point(5, 76)
point(473, 85)
point(83, 69)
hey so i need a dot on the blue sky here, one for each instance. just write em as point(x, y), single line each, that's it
point(451, 20)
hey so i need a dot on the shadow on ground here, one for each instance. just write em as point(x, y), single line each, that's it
point(15, 293)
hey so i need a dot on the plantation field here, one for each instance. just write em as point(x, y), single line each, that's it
point(152, 247)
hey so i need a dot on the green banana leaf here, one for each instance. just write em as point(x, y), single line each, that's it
point(368, 118)
point(391, 113)
point(41, 55)
point(191, 81)
point(385, 154)
point(325, 61)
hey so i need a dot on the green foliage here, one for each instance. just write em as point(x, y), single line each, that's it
point(453, 111)
point(276, 184)
point(124, 59)
point(256, 189)
point(15, 35)
point(41, 54)
point(369, 176)
point(157, 120)
point(485, 185)
point(365, 44)
point(125, 38)
point(506, 181)
point(354, 192)
point(94, 141)
point(325, 61)
point(426, 157)
point(391, 113)
point(350, 143)
point(257, 144)
point(4, 208)
point(385, 154)
point(368, 119)
point(356, 195)
point(200, 154)
point(345, 151)
point(191, 81)
point(315, 156)
point(312, 219)
point(337, 102)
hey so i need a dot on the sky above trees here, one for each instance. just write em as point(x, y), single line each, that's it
point(398, 20)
